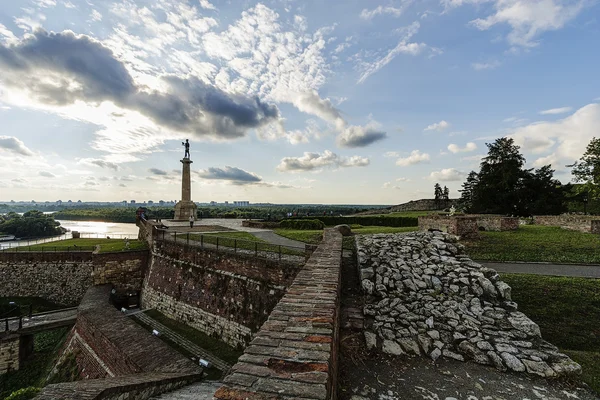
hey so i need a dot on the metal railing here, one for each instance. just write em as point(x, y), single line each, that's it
point(233, 245)
point(6, 322)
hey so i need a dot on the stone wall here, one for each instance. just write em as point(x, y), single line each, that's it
point(106, 343)
point(222, 294)
point(295, 353)
point(63, 277)
point(426, 297)
point(9, 353)
point(460, 226)
point(582, 223)
point(496, 223)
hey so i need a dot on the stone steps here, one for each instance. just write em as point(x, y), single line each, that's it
point(183, 342)
point(197, 391)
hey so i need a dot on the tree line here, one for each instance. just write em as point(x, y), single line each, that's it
point(31, 224)
point(504, 186)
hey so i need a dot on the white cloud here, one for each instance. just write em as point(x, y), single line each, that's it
point(380, 10)
point(207, 5)
point(453, 148)
point(527, 19)
point(565, 139)
point(402, 180)
point(47, 174)
point(360, 136)
point(96, 16)
point(483, 66)
point(98, 163)
point(447, 175)
point(438, 126)
point(368, 68)
point(560, 110)
point(317, 161)
point(416, 157)
point(391, 154)
point(45, 3)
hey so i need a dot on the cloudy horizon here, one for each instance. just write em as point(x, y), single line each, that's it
point(286, 101)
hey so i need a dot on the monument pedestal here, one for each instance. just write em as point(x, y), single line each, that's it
point(183, 210)
point(186, 207)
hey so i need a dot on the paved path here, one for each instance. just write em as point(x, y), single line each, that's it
point(230, 223)
point(39, 321)
point(273, 238)
point(582, 271)
point(183, 342)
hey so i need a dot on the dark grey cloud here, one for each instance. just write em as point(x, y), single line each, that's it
point(359, 136)
point(235, 175)
point(47, 174)
point(13, 144)
point(99, 163)
point(157, 171)
point(189, 105)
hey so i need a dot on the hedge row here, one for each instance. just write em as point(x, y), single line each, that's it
point(301, 224)
point(370, 220)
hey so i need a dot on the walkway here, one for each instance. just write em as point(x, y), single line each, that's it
point(580, 271)
point(273, 238)
point(41, 321)
point(182, 342)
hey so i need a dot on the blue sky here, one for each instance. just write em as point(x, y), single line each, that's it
point(355, 102)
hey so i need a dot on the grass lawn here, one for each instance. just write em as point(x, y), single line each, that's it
point(106, 245)
point(36, 369)
point(536, 243)
point(241, 240)
point(314, 237)
point(568, 313)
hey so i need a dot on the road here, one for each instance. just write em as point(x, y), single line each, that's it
point(579, 271)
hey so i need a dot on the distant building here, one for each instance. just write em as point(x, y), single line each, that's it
point(161, 202)
point(226, 203)
point(132, 201)
point(150, 202)
point(59, 202)
point(241, 203)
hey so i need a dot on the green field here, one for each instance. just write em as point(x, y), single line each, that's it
point(106, 245)
point(314, 237)
point(240, 240)
point(568, 313)
point(536, 243)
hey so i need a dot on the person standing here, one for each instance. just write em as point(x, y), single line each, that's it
point(191, 221)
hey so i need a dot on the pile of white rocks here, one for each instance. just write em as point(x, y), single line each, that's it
point(427, 297)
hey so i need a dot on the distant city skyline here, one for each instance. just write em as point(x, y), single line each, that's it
point(288, 102)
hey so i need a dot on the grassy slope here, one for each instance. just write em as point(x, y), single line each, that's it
point(536, 243)
point(241, 240)
point(568, 313)
point(106, 245)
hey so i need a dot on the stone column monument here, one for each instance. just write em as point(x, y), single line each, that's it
point(186, 207)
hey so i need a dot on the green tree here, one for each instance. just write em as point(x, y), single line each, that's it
point(32, 224)
point(541, 194)
point(467, 193)
point(587, 170)
point(500, 179)
point(438, 195)
point(446, 196)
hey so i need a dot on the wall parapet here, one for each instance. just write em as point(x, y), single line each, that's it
point(582, 223)
point(463, 226)
point(294, 354)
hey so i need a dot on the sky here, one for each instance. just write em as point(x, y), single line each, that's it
point(283, 101)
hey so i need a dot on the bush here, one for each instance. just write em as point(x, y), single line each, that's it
point(302, 224)
point(24, 394)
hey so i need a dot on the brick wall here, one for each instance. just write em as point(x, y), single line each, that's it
point(460, 226)
point(582, 223)
point(106, 343)
point(132, 387)
point(224, 295)
point(294, 354)
point(63, 277)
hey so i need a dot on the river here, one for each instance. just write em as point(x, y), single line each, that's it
point(88, 229)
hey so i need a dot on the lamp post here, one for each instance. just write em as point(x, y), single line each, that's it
point(585, 201)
